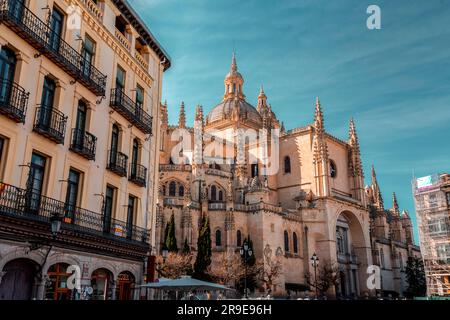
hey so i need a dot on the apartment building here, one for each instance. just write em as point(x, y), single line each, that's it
point(80, 85)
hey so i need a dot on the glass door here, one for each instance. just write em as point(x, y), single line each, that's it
point(7, 68)
point(80, 126)
point(139, 101)
point(16, 9)
point(35, 182)
point(56, 28)
point(130, 216)
point(48, 96)
point(73, 184)
point(88, 54)
point(109, 202)
point(134, 158)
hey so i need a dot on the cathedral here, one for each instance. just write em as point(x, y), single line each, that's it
point(309, 198)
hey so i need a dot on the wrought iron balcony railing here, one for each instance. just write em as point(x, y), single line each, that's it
point(131, 111)
point(39, 34)
point(138, 174)
point(13, 100)
point(83, 143)
point(117, 162)
point(25, 204)
point(50, 123)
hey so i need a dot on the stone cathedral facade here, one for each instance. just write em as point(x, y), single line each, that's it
point(315, 201)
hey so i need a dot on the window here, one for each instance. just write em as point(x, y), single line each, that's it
point(130, 215)
point(220, 195)
point(333, 169)
point(286, 241)
point(213, 193)
point(56, 287)
point(172, 189)
point(218, 238)
point(88, 53)
point(294, 239)
point(341, 240)
point(120, 78)
point(134, 157)
point(81, 116)
point(7, 69)
point(287, 164)
point(381, 258)
point(47, 101)
point(73, 185)
point(255, 170)
point(121, 24)
point(432, 200)
point(115, 138)
point(238, 238)
point(109, 208)
point(181, 191)
point(56, 26)
point(139, 96)
point(35, 181)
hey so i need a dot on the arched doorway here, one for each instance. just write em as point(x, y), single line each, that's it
point(56, 285)
point(352, 252)
point(125, 286)
point(102, 282)
point(19, 280)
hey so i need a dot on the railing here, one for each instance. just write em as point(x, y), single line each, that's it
point(117, 162)
point(13, 100)
point(217, 206)
point(175, 167)
point(21, 203)
point(219, 173)
point(138, 174)
point(173, 202)
point(122, 39)
point(49, 43)
point(83, 143)
point(130, 110)
point(141, 60)
point(50, 123)
point(93, 8)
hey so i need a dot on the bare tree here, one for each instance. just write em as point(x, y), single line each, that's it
point(269, 269)
point(174, 266)
point(327, 277)
point(228, 269)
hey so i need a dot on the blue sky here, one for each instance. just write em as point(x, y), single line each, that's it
point(395, 82)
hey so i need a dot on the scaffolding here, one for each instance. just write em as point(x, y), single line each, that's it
point(432, 202)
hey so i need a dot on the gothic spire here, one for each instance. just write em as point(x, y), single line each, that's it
point(262, 101)
point(355, 151)
point(395, 207)
point(182, 117)
point(377, 197)
point(233, 63)
point(199, 113)
point(164, 115)
point(320, 146)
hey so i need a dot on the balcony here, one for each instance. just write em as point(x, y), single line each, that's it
point(175, 167)
point(51, 124)
point(173, 202)
point(123, 104)
point(117, 162)
point(138, 174)
point(13, 101)
point(39, 35)
point(217, 206)
point(23, 204)
point(83, 143)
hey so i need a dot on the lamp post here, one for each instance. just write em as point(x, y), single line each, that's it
point(315, 263)
point(246, 252)
point(165, 252)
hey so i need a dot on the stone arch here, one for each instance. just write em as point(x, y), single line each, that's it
point(18, 253)
point(60, 258)
point(103, 265)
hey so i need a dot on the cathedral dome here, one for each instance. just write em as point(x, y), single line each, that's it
point(224, 110)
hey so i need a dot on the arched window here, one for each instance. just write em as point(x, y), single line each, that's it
point(333, 169)
point(181, 191)
point(294, 239)
point(115, 138)
point(172, 189)
point(287, 164)
point(220, 195)
point(238, 238)
point(286, 241)
point(218, 238)
point(255, 170)
point(213, 193)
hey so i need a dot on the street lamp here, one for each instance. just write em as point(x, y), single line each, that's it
point(246, 253)
point(315, 263)
point(165, 252)
point(56, 221)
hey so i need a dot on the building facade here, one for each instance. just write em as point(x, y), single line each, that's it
point(432, 199)
point(295, 193)
point(79, 108)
